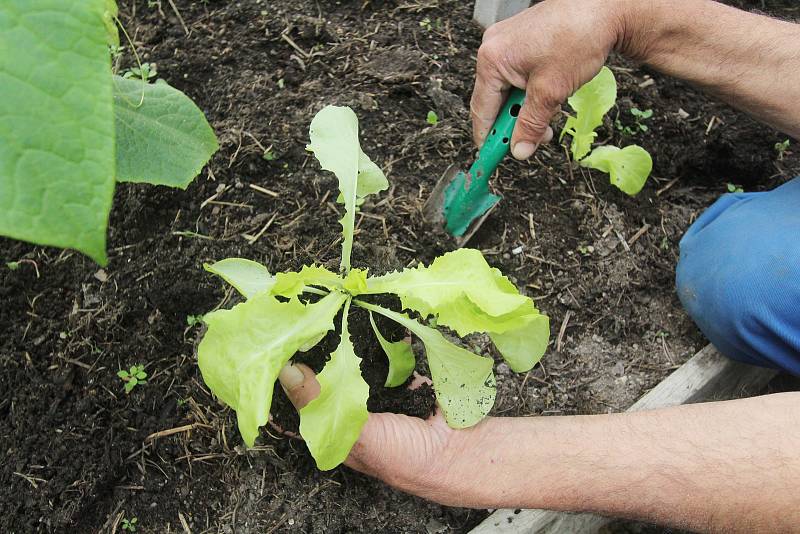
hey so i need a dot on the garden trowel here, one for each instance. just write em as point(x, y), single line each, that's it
point(461, 200)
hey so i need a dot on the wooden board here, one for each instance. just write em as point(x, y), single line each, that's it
point(707, 376)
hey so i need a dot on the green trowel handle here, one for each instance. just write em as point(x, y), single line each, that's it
point(498, 142)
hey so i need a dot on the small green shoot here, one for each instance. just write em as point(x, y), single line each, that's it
point(12, 265)
point(432, 118)
point(782, 149)
point(429, 25)
point(130, 524)
point(638, 126)
point(133, 377)
point(192, 320)
point(146, 72)
point(269, 155)
point(733, 188)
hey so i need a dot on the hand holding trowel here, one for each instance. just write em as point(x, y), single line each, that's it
point(462, 201)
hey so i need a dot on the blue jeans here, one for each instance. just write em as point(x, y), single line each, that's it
point(739, 276)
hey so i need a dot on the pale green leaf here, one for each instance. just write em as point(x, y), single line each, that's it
point(463, 382)
point(355, 283)
point(525, 345)
point(245, 348)
point(371, 180)
point(162, 136)
point(400, 355)
point(629, 167)
point(56, 124)
point(590, 103)
point(334, 141)
point(291, 284)
point(331, 423)
point(461, 289)
point(247, 276)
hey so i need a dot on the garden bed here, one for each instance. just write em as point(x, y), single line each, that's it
point(80, 454)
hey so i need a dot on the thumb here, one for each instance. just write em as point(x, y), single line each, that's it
point(300, 384)
point(533, 124)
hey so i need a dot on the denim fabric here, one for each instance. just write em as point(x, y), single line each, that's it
point(739, 276)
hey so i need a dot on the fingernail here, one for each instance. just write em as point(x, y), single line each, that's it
point(523, 150)
point(290, 377)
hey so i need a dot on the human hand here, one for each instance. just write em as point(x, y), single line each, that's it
point(415, 455)
point(550, 50)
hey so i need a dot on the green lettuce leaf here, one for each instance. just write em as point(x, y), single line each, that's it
point(56, 124)
point(355, 283)
point(463, 382)
point(400, 355)
point(291, 284)
point(248, 277)
point(245, 348)
point(334, 141)
point(629, 167)
point(460, 289)
point(591, 102)
point(523, 346)
point(162, 136)
point(331, 423)
point(371, 180)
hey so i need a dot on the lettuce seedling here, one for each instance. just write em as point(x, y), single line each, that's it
point(629, 167)
point(245, 347)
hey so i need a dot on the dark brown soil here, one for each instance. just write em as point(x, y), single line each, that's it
point(77, 456)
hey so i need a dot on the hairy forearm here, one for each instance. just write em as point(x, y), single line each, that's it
point(750, 61)
point(726, 466)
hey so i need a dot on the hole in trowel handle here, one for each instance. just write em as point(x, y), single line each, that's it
point(514, 111)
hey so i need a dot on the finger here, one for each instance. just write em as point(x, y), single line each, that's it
point(300, 384)
point(419, 380)
point(487, 96)
point(542, 101)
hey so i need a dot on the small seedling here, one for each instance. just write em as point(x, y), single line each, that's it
point(192, 320)
point(145, 72)
point(429, 25)
point(586, 250)
point(628, 167)
point(782, 148)
point(269, 155)
point(638, 126)
point(12, 265)
point(733, 188)
point(245, 347)
point(432, 118)
point(132, 378)
point(130, 524)
point(115, 51)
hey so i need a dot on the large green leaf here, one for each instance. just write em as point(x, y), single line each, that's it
point(56, 124)
point(591, 102)
point(463, 381)
point(331, 423)
point(334, 141)
point(247, 276)
point(400, 355)
point(162, 136)
point(461, 289)
point(245, 348)
point(629, 167)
